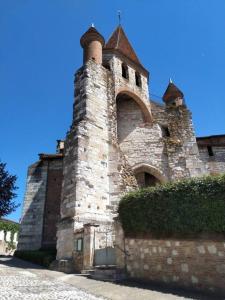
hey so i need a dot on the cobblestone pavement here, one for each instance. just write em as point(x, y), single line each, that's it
point(21, 280)
point(17, 283)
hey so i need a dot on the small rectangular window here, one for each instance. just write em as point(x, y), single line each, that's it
point(125, 71)
point(210, 151)
point(138, 79)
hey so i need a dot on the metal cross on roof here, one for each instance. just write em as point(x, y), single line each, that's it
point(119, 16)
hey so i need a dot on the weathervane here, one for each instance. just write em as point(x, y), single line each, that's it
point(119, 16)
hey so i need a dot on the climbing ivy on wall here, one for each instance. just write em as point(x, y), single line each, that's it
point(7, 226)
point(189, 206)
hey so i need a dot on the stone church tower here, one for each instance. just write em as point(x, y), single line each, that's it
point(119, 140)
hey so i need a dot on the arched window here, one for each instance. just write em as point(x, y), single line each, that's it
point(125, 71)
point(138, 79)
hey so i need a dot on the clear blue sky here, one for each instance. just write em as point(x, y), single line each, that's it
point(40, 52)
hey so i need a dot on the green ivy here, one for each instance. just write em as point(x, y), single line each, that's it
point(189, 206)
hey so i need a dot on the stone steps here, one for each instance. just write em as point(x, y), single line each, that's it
point(106, 273)
point(62, 265)
point(87, 272)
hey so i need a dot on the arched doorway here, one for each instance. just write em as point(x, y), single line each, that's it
point(145, 179)
point(147, 175)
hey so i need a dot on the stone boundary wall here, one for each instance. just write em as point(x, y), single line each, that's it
point(195, 264)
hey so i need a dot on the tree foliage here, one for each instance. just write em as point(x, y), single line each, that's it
point(9, 226)
point(7, 191)
point(189, 206)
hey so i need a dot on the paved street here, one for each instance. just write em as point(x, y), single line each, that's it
point(18, 283)
point(23, 280)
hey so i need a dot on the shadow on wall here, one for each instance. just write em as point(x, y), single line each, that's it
point(33, 208)
point(129, 117)
point(41, 207)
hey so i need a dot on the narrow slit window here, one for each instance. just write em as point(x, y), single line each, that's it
point(138, 79)
point(165, 131)
point(125, 71)
point(210, 150)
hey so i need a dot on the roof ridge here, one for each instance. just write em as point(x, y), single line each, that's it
point(117, 44)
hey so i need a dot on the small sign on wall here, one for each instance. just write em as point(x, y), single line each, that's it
point(79, 245)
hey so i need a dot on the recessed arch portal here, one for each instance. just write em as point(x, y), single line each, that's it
point(143, 106)
point(132, 114)
point(148, 175)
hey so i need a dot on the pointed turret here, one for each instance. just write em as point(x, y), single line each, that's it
point(119, 41)
point(92, 42)
point(173, 94)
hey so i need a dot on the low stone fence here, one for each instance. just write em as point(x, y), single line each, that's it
point(191, 263)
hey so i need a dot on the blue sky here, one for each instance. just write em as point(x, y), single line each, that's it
point(40, 52)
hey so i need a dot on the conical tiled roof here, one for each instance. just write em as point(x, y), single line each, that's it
point(90, 35)
point(172, 92)
point(119, 41)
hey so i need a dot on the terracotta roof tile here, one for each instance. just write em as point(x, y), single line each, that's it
point(91, 34)
point(119, 41)
point(172, 92)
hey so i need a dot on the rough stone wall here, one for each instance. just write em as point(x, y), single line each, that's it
point(182, 149)
point(30, 235)
point(85, 196)
point(214, 164)
point(143, 134)
point(195, 263)
point(158, 113)
point(212, 153)
point(41, 205)
point(122, 84)
point(52, 203)
point(141, 143)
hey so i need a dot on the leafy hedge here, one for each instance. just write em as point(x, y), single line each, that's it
point(188, 206)
point(40, 257)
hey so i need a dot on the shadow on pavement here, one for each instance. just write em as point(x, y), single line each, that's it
point(11, 261)
point(177, 291)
